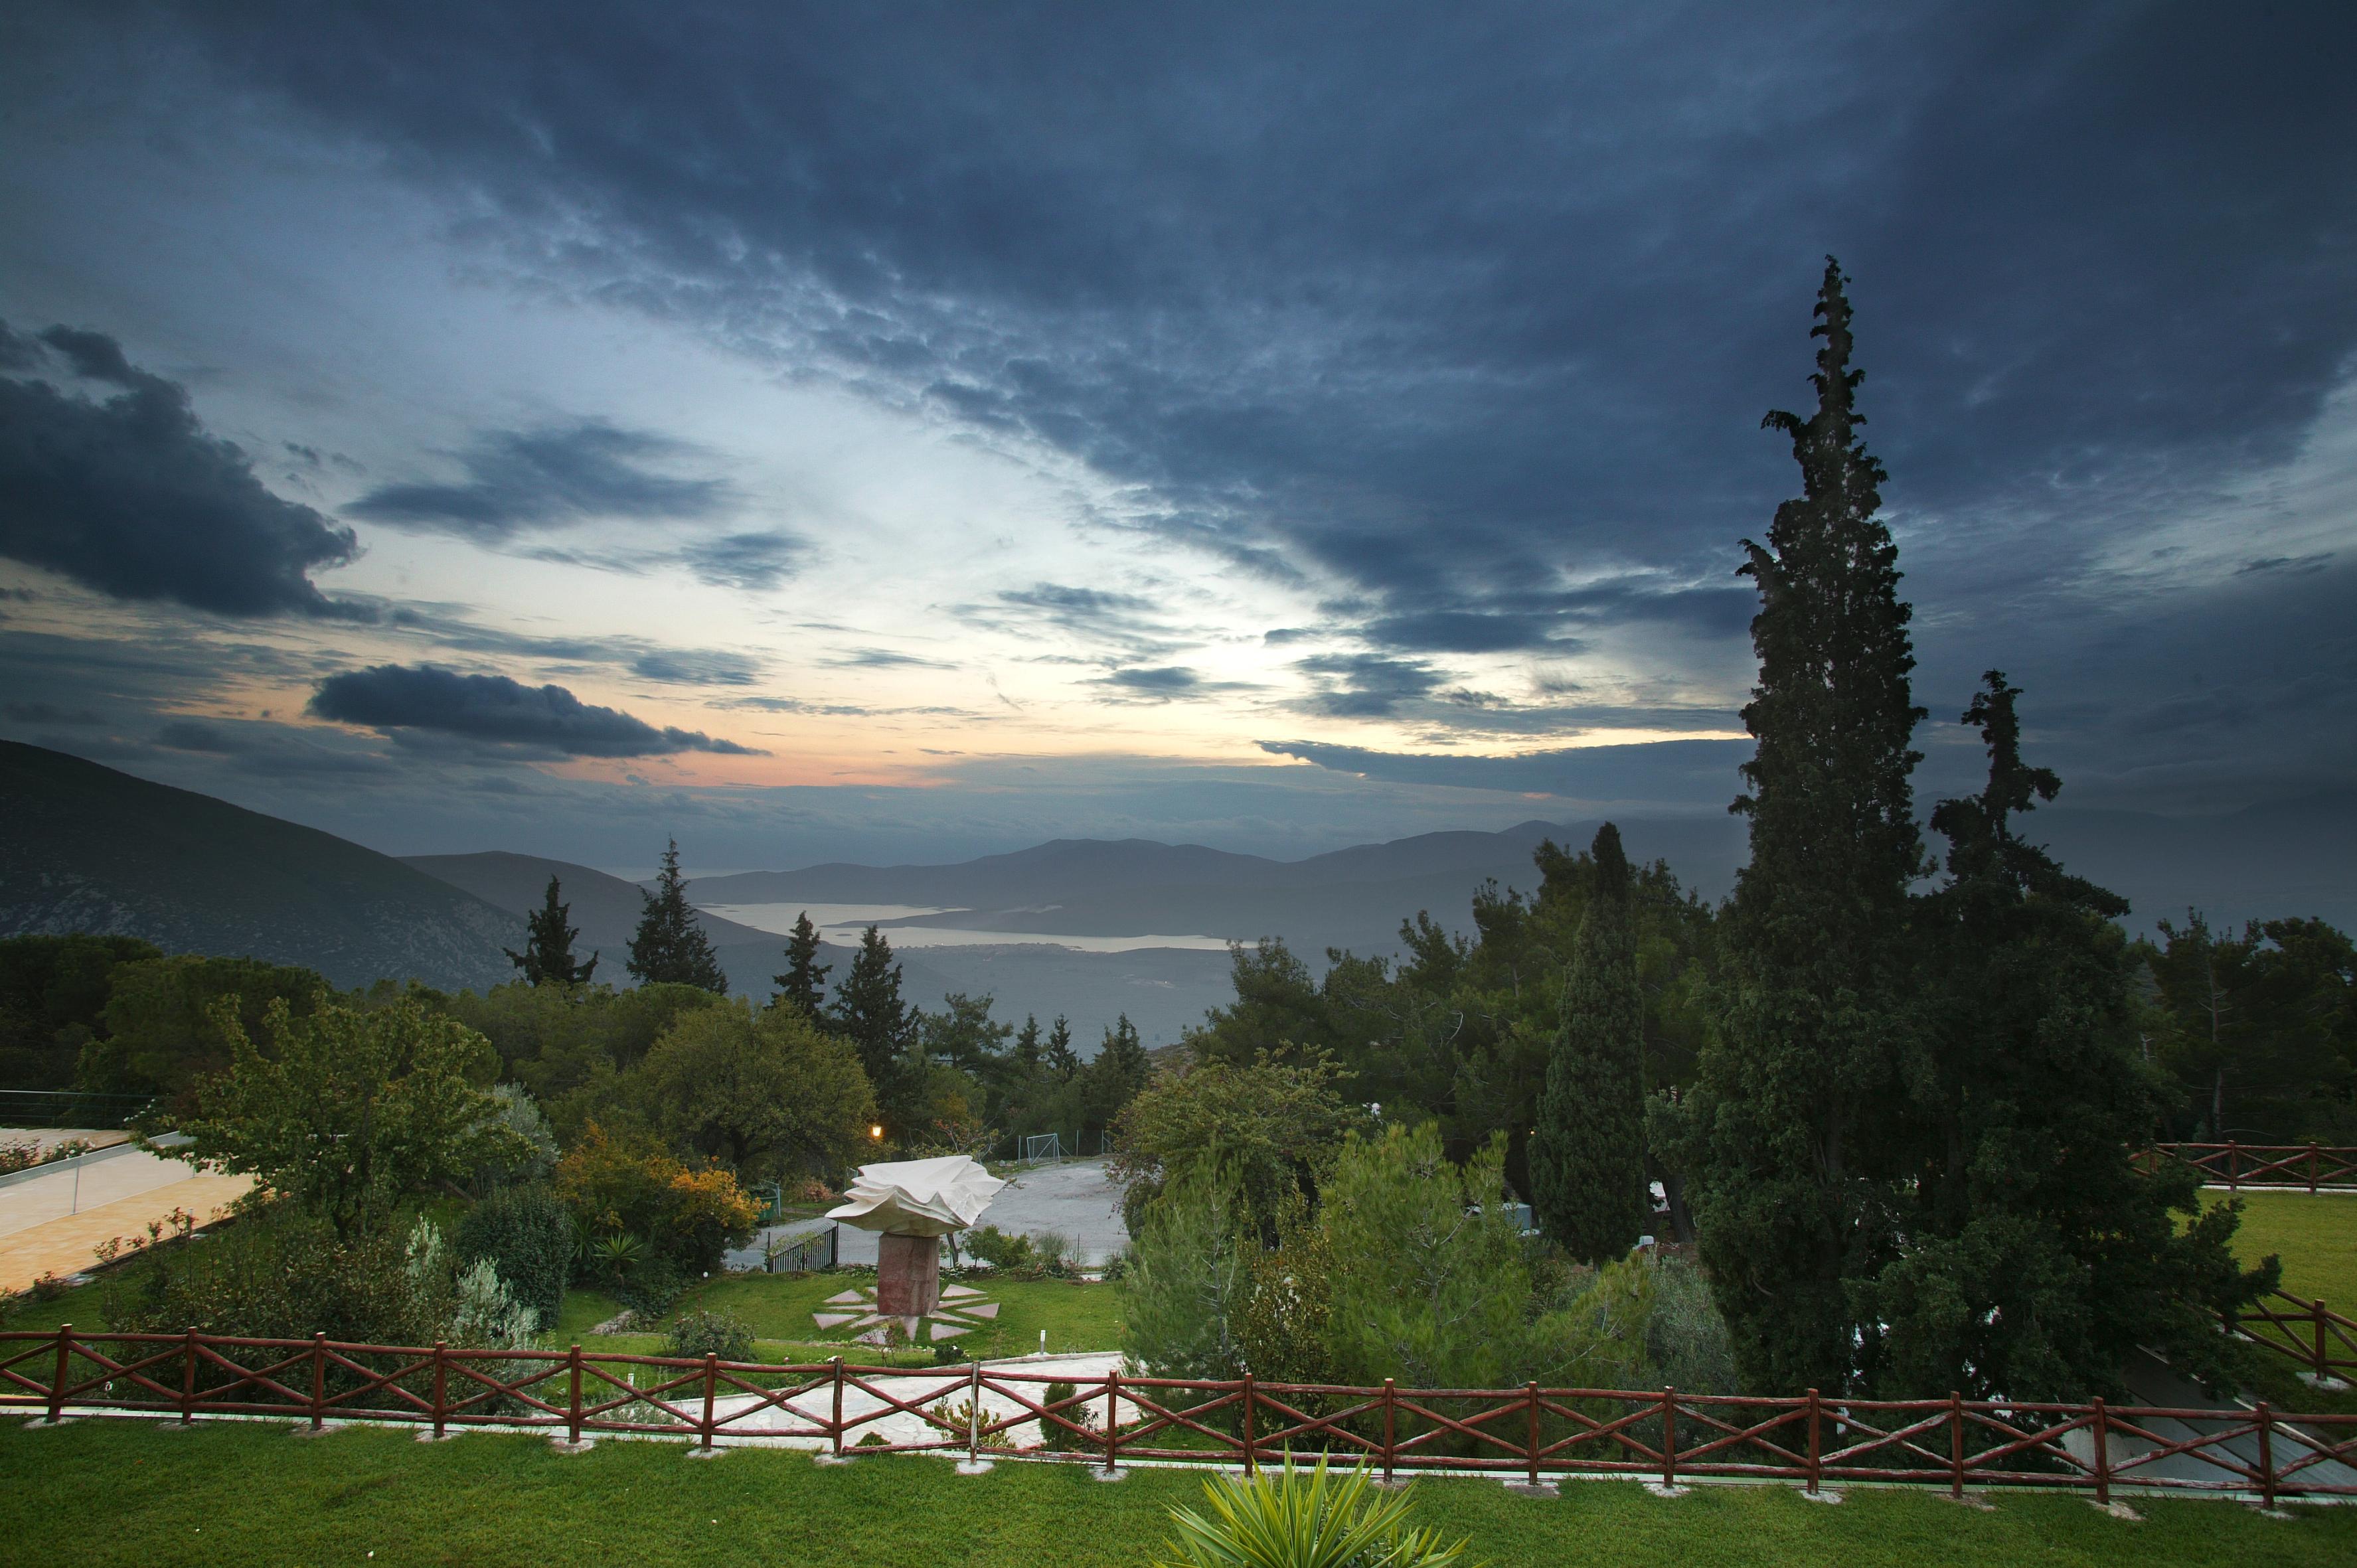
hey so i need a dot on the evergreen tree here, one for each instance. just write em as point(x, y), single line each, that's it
point(1795, 1116)
point(1113, 1078)
point(547, 956)
point(2038, 1259)
point(671, 945)
point(804, 981)
point(1063, 1061)
point(1027, 1046)
point(868, 1012)
point(1588, 1154)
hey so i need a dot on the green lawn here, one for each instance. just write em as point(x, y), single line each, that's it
point(2315, 1234)
point(230, 1495)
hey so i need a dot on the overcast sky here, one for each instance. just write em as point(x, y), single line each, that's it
point(905, 433)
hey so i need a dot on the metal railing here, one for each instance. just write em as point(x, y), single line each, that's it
point(1530, 1434)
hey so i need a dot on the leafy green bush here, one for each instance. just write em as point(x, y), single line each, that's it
point(991, 1245)
point(1305, 1519)
point(526, 1234)
point(710, 1333)
point(283, 1274)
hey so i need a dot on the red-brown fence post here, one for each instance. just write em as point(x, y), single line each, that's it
point(2311, 1168)
point(837, 1423)
point(573, 1412)
point(1817, 1467)
point(1955, 1445)
point(1390, 1419)
point(441, 1387)
point(1669, 1437)
point(2102, 1456)
point(1112, 1397)
point(57, 1381)
point(2233, 1166)
point(319, 1380)
point(711, 1383)
point(1252, 1465)
point(2322, 1369)
point(189, 1380)
point(974, 1416)
point(2266, 1423)
point(1532, 1392)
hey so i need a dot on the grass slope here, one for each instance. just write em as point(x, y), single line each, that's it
point(100, 1492)
point(2315, 1234)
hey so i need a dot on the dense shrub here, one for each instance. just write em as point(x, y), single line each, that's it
point(1061, 1439)
point(283, 1274)
point(620, 1184)
point(527, 1236)
point(710, 1333)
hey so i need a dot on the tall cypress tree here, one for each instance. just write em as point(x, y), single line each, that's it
point(804, 981)
point(547, 956)
point(669, 946)
point(1797, 1116)
point(869, 1012)
point(1588, 1153)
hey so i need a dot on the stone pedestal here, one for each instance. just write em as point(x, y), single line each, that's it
point(908, 1274)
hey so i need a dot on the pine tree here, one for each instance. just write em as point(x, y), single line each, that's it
point(1796, 1115)
point(1114, 1077)
point(2037, 1258)
point(1026, 1044)
point(1063, 1061)
point(1587, 1154)
point(547, 956)
point(671, 947)
point(804, 981)
point(868, 1012)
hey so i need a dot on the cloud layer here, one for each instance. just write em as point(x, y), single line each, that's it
point(124, 491)
point(393, 698)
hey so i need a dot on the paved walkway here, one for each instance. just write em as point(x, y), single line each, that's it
point(53, 1220)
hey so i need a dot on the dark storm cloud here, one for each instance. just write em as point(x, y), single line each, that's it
point(48, 714)
point(1364, 685)
point(130, 495)
point(750, 561)
point(393, 697)
point(519, 479)
point(1446, 311)
point(1456, 312)
point(1678, 772)
point(691, 667)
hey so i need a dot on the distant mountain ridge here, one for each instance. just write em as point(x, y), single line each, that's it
point(86, 848)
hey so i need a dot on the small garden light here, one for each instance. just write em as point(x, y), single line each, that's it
point(875, 1131)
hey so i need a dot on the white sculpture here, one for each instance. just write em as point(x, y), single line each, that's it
point(914, 1204)
point(917, 1197)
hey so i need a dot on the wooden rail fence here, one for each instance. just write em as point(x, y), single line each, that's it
point(2323, 1342)
point(1530, 1434)
point(2312, 1167)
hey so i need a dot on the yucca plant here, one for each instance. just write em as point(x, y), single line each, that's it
point(1305, 1519)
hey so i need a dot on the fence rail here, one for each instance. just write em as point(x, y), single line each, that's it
point(2323, 1342)
point(1533, 1433)
point(2312, 1167)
